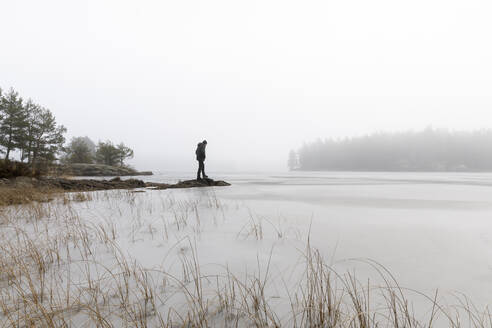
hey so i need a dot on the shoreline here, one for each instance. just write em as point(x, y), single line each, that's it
point(23, 190)
point(115, 183)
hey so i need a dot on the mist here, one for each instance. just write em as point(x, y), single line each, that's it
point(255, 78)
point(428, 151)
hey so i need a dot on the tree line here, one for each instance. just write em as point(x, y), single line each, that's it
point(30, 131)
point(28, 128)
point(84, 150)
point(426, 150)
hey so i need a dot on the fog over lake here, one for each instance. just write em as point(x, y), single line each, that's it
point(254, 78)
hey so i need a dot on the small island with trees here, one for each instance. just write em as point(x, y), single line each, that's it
point(431, 150)
point(29, 132)
point(82, 157)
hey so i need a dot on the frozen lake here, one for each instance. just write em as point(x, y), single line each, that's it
point(431, 230)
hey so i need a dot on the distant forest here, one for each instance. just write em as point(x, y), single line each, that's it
point(427, 150)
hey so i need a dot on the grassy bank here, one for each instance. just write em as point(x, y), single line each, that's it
point(15, 195)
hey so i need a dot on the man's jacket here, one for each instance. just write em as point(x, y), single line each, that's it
point(200, 152)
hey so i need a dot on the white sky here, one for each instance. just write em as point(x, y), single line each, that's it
point(254, 78)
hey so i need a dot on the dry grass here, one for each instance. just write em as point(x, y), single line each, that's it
point(15, 195)
point(58, 269)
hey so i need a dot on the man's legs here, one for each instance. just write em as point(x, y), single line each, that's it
point(200, 165)
point(203, 170)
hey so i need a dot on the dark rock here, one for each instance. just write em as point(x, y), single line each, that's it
point(200, 183)
point(157, 186)
point(89, 185)
point(116, 183)
point(188, 184)
point(96, 170)
point(221, 184)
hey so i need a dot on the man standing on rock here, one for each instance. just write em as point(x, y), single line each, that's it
point(200, 157)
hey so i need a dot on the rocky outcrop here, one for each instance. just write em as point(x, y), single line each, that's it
point(23, 190)
point(93, 185)
point(188, 184)
point(100, 170)
point(89, 184)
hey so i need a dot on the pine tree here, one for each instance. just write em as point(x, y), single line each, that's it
point(47, 137)
point(107, 153)
point(293, 161)
point(14, 121)
point(124, 152)
point(80, 150)
point(33, 111)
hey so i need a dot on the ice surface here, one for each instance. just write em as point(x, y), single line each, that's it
point(431, 230)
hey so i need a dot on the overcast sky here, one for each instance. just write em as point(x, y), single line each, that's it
point(254, 78)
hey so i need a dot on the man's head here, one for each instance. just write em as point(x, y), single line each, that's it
point(204, 142)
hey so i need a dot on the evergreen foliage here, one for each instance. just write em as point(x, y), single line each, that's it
point(427, 150)
point(13, 122)
point(29, 129)
point(124, 152)
point(31, 132)
point(80, 150)
point(293, 161)
point(109, 154)
point(83, 150)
